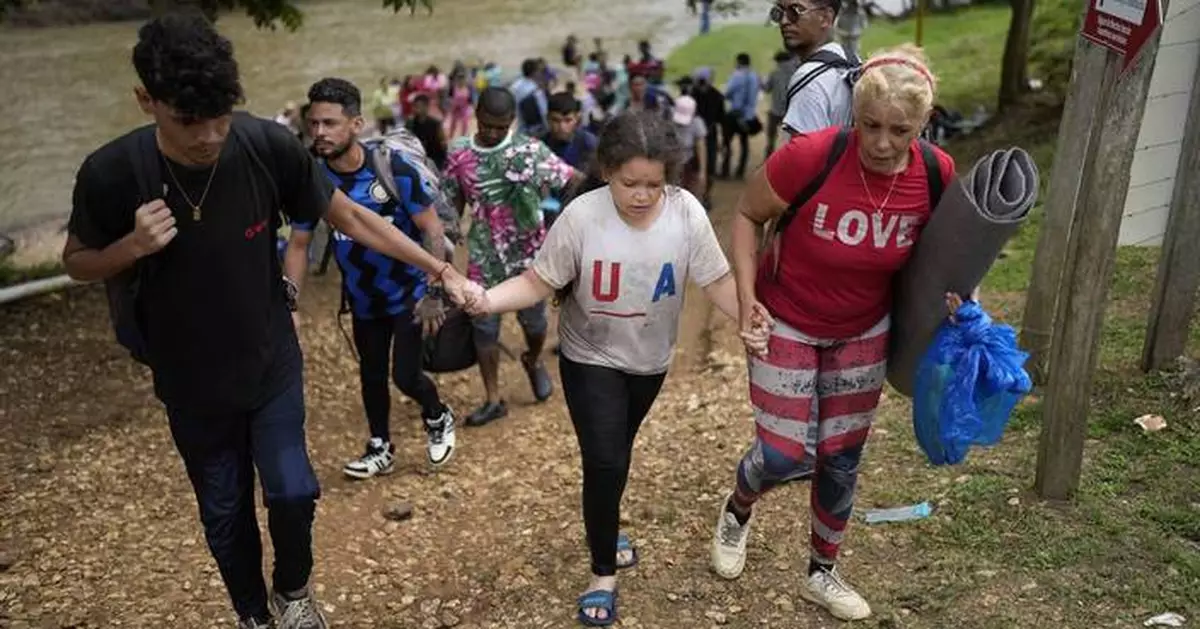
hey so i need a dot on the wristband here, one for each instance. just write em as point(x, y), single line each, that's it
point(435, 279)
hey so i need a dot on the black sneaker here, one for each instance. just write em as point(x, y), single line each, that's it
point(487, 413)
point(379, 459)
point(539, 378)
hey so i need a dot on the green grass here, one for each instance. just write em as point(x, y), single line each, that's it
point(10, 275)
point(967, 66)
point(1128, 546)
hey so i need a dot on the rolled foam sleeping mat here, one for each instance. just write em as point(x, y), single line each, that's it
point(976, 216)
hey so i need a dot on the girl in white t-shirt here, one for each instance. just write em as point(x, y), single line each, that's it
point(619, 256)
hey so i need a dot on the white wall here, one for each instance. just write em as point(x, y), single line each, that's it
point(1152, 177)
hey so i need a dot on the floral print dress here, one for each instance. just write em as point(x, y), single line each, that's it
point(504, 185)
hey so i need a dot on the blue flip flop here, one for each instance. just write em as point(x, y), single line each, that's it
point(624, 545)
point(598, 599)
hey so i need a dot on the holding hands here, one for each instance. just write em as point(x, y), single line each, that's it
point(468, 295)
point(756, 324)
point(476, 300)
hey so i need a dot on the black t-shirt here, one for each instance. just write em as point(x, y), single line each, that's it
point(428, 131)
point(219, 336)
point(710, 106)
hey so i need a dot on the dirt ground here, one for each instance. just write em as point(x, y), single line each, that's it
point(98, 524)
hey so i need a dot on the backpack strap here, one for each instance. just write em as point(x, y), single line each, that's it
point(933, 174)
point(827, 60)
point(147, 172)
point(840, 143)
point(147, 169)
point(253, 134)
point(380, 156)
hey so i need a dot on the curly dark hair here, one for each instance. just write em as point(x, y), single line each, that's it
point(339, 92)
point(640, 134)
point(184, 62)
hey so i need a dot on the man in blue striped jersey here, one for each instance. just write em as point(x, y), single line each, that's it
point(383, 295)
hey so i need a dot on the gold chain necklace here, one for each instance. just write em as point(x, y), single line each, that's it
point(196, 207)
point(862, 175)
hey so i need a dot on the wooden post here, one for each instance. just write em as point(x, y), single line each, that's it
point(1087, 272)
point(1081, 115)
point(921, 21)
point(1178, 265)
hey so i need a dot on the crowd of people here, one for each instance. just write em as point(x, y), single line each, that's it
point(595, 204)
point(584, 92)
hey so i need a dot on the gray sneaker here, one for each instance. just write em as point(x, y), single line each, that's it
point(300, 613)
point(251, 623)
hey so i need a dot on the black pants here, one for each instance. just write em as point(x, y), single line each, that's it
point(734, 127)
point(774, 122)
point(607, 407)
point(220, 453)
point(711, 142)
point(401, 336)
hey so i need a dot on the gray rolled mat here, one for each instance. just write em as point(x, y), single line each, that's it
point(977, 215)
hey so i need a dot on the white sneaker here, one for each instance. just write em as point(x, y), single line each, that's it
point(379, 459)
point(729, 543)
point(827, 589)
point(301, 613)
point(440, 438)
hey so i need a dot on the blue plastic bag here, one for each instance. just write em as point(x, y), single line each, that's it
point(967, 384)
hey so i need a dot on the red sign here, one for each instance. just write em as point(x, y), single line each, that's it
point(1122, 26)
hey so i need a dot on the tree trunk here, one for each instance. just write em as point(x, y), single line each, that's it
point(1014, 69)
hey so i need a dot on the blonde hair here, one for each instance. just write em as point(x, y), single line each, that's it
point(899, 76)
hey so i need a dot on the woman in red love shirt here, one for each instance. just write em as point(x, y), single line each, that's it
point(826, 290)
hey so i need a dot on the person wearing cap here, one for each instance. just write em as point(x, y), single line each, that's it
point(691, 130)
point(710, 107)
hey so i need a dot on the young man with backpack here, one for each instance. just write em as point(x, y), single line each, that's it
point(391, 306)
point(533, 108)
point(574, 144)
point(178, 218)
point(819, 93)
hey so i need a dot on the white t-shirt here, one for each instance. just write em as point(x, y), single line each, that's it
point(824, 102)
point(691, 134)
point(624, 306)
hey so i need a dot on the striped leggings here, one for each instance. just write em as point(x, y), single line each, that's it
point(814, 401)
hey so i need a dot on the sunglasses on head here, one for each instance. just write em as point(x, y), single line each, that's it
point(781, 13)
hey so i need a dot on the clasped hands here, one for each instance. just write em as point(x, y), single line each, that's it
point(464, 293)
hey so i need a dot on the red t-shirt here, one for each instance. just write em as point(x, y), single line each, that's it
point(838, 255)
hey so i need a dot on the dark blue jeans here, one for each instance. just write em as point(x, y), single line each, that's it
point(220, 453)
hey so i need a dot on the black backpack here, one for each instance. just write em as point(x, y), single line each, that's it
point(530, 112)
point(933, 176)
point(124, 288)
point(452, 348)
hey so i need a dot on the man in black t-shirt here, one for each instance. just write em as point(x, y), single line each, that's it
point(212, 306)
point(429, 130)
